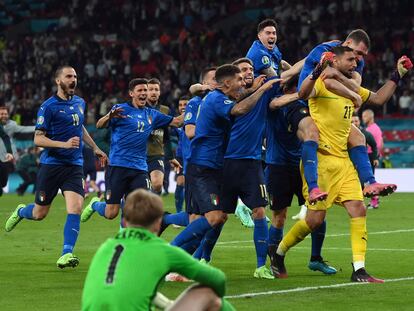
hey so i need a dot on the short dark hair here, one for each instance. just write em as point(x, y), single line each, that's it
point(4, 108)
point(205, 71)
point(154, 81)
point(184, 97)
point(137, 81)
point(226, 71)
point(340, 50)
point(242, 60)
point(60, 69)
point(143, 208)
point(359, 35)
point(266, 23)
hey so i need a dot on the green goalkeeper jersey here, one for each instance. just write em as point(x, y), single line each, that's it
point(126, 271)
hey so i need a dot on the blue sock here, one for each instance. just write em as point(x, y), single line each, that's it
point(310, 163)
point(99, 207)
point(209, 242)
point(199, 251)
point(179, 198)
point(275, 235)
point(192, 246)
point(195, 230)
point(180, 219)
point(359, 157)
point(318, 236)
point(27, 211)
point(261, 237)
point(70, 233)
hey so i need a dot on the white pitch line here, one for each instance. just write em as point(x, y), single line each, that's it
point(331, 248)
point(304, 289)
point(328, 235)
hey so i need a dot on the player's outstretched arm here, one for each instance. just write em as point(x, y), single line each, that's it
point(248, 103)
point(199, 89)
point(382, 96)
point(283, 100)
point(41, 140)
point(293, 70)
point(177, 121)
point(114, 113)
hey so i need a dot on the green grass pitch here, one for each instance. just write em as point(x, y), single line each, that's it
point(30, 280)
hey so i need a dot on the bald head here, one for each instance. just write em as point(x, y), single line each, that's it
point(368, 117)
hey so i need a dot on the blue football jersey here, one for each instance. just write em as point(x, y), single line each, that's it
point(62, 120)
point(129, 135)
point(247, 131)
point(190, 117)
point(315, 56)
point(263, 58)
point(213, 125)
point(283, 146)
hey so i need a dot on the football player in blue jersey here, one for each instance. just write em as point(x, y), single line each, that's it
point(60, 130)
point(207, 83)
point(131, 123)
point(204, 169)
point(284, 180)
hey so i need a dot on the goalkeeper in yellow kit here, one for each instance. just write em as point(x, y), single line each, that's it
point(126, 270)
point(332, 114)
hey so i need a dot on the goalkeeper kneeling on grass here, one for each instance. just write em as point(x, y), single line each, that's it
point(126, 270)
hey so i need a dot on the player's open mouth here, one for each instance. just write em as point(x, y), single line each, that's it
point(270, 42)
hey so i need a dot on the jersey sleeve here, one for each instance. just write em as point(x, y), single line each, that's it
point(182, 263)
point(259, 58)
point(43, 118)
point(190, 114)
point(364, 93)
point(310, 62)
point(223, 106)
point(159, 119)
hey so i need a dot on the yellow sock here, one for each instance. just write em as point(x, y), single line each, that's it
point(295, 235)
point(359, 238)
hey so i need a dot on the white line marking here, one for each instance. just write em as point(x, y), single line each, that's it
point(304, 289)
point(330, 248)
point(328, 235)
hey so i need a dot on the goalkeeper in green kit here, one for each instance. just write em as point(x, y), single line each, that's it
point(126, 270)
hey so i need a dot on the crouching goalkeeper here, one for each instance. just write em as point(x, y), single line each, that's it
point(126, 270)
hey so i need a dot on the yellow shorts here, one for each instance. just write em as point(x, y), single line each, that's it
point(338, 177)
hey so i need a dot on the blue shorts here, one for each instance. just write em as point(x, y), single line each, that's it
point(203, 189)
point(243, 178)
point(51, 178)
point(120, 181)
point(295, 112)
point(284, 181)
point(155, 164)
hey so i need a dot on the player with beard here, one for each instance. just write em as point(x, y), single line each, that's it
point(60, 130)
point(158, 139)
point(131, 124)
point(332, 114)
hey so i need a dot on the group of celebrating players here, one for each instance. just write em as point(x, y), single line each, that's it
point(301, 114)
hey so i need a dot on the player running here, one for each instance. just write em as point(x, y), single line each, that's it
point(60, 130)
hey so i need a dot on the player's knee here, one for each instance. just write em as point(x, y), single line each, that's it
point(258, 213)
point(180, 181)
point(216, 218)
point(215, 303)
point(280, 220)
point(156, 185)
point(356, 138)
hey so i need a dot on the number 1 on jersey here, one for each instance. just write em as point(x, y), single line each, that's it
point(112, 266)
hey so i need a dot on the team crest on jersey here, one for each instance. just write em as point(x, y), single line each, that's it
point(188, 116)
point(228, 102)
point(304, 110)
point(265, 60)
point(40, 120)
point(149, 119)
point(108, 195)
point(42, 196)
point(71, 108)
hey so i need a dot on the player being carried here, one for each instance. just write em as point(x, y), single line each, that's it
point(332, 115)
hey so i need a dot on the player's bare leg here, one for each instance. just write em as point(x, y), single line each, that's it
point(157, 179)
